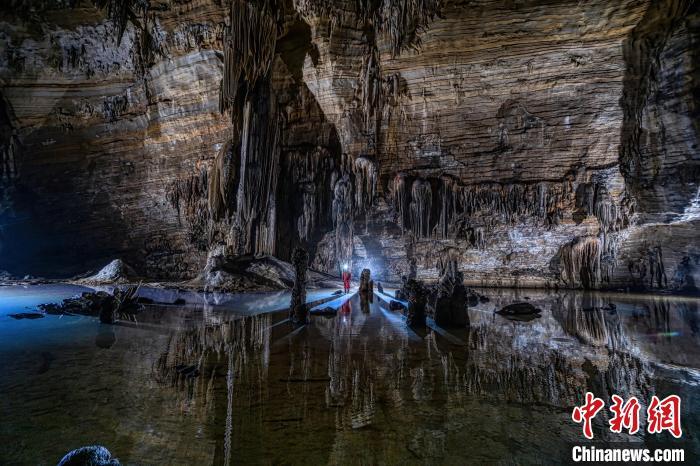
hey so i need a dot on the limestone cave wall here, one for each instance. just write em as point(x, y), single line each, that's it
point(538, 143)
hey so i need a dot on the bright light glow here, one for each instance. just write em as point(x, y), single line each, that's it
point(345, 266)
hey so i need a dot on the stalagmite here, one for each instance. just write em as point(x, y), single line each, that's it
point(366, 284)
point(298, 311)
point(417, 296)
point(449, 301)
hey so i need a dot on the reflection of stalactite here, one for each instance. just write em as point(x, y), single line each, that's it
point(421, 206)
point(588, 325)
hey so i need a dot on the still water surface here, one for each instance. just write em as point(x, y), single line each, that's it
point(222, 380)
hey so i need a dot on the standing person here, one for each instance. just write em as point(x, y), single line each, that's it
point(346, 278)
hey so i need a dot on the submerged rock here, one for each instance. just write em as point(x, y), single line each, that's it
point(520, 311)
point(108, 307)
point(94, 455)
point(26, 315)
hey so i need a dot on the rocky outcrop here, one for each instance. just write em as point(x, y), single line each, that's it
point(551, 145)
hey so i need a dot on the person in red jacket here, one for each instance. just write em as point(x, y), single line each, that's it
point(346, 278)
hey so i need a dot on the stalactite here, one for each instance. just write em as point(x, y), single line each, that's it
point(513, 202)
point(249, 47)
point(189, 196)
point(223, 181)
point(421, 206)
point(371, 91)
point(593, 199)
point(343, 219)
point(401, 199)
point(580, 262)
point(121, 12)
point(305, 200)
point(259, 161)
point(400, 21)
point(8, 158)
point(649, 271)
point(365, 171)
point(448, 205)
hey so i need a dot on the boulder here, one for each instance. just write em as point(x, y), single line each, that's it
point(94, 455)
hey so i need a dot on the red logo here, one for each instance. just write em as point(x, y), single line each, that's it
point(624, 415)
point(665, 415)
point(587, 412)
point(661, 415)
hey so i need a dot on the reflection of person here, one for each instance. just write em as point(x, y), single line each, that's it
point(346, 278)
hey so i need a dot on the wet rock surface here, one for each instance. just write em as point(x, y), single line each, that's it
point(109, 307)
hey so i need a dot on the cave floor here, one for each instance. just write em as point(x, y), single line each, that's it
point(226, 381)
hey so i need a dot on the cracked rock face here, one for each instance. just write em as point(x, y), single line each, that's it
point(534, 144)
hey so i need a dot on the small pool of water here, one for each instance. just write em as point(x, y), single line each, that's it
point(224, 380)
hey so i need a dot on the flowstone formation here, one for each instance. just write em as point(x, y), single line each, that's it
point(385, 135)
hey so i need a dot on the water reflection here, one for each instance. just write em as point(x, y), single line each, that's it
point(188, 385)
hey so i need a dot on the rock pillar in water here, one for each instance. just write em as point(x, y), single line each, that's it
point(366, 284)
point(417, 299)
point(298, 311)
point(450, 305)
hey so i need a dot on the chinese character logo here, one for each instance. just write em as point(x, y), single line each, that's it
point(587, 412)
point(662, 415)
point(665, 415)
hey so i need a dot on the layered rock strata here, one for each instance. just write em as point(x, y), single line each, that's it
point(536, 144)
